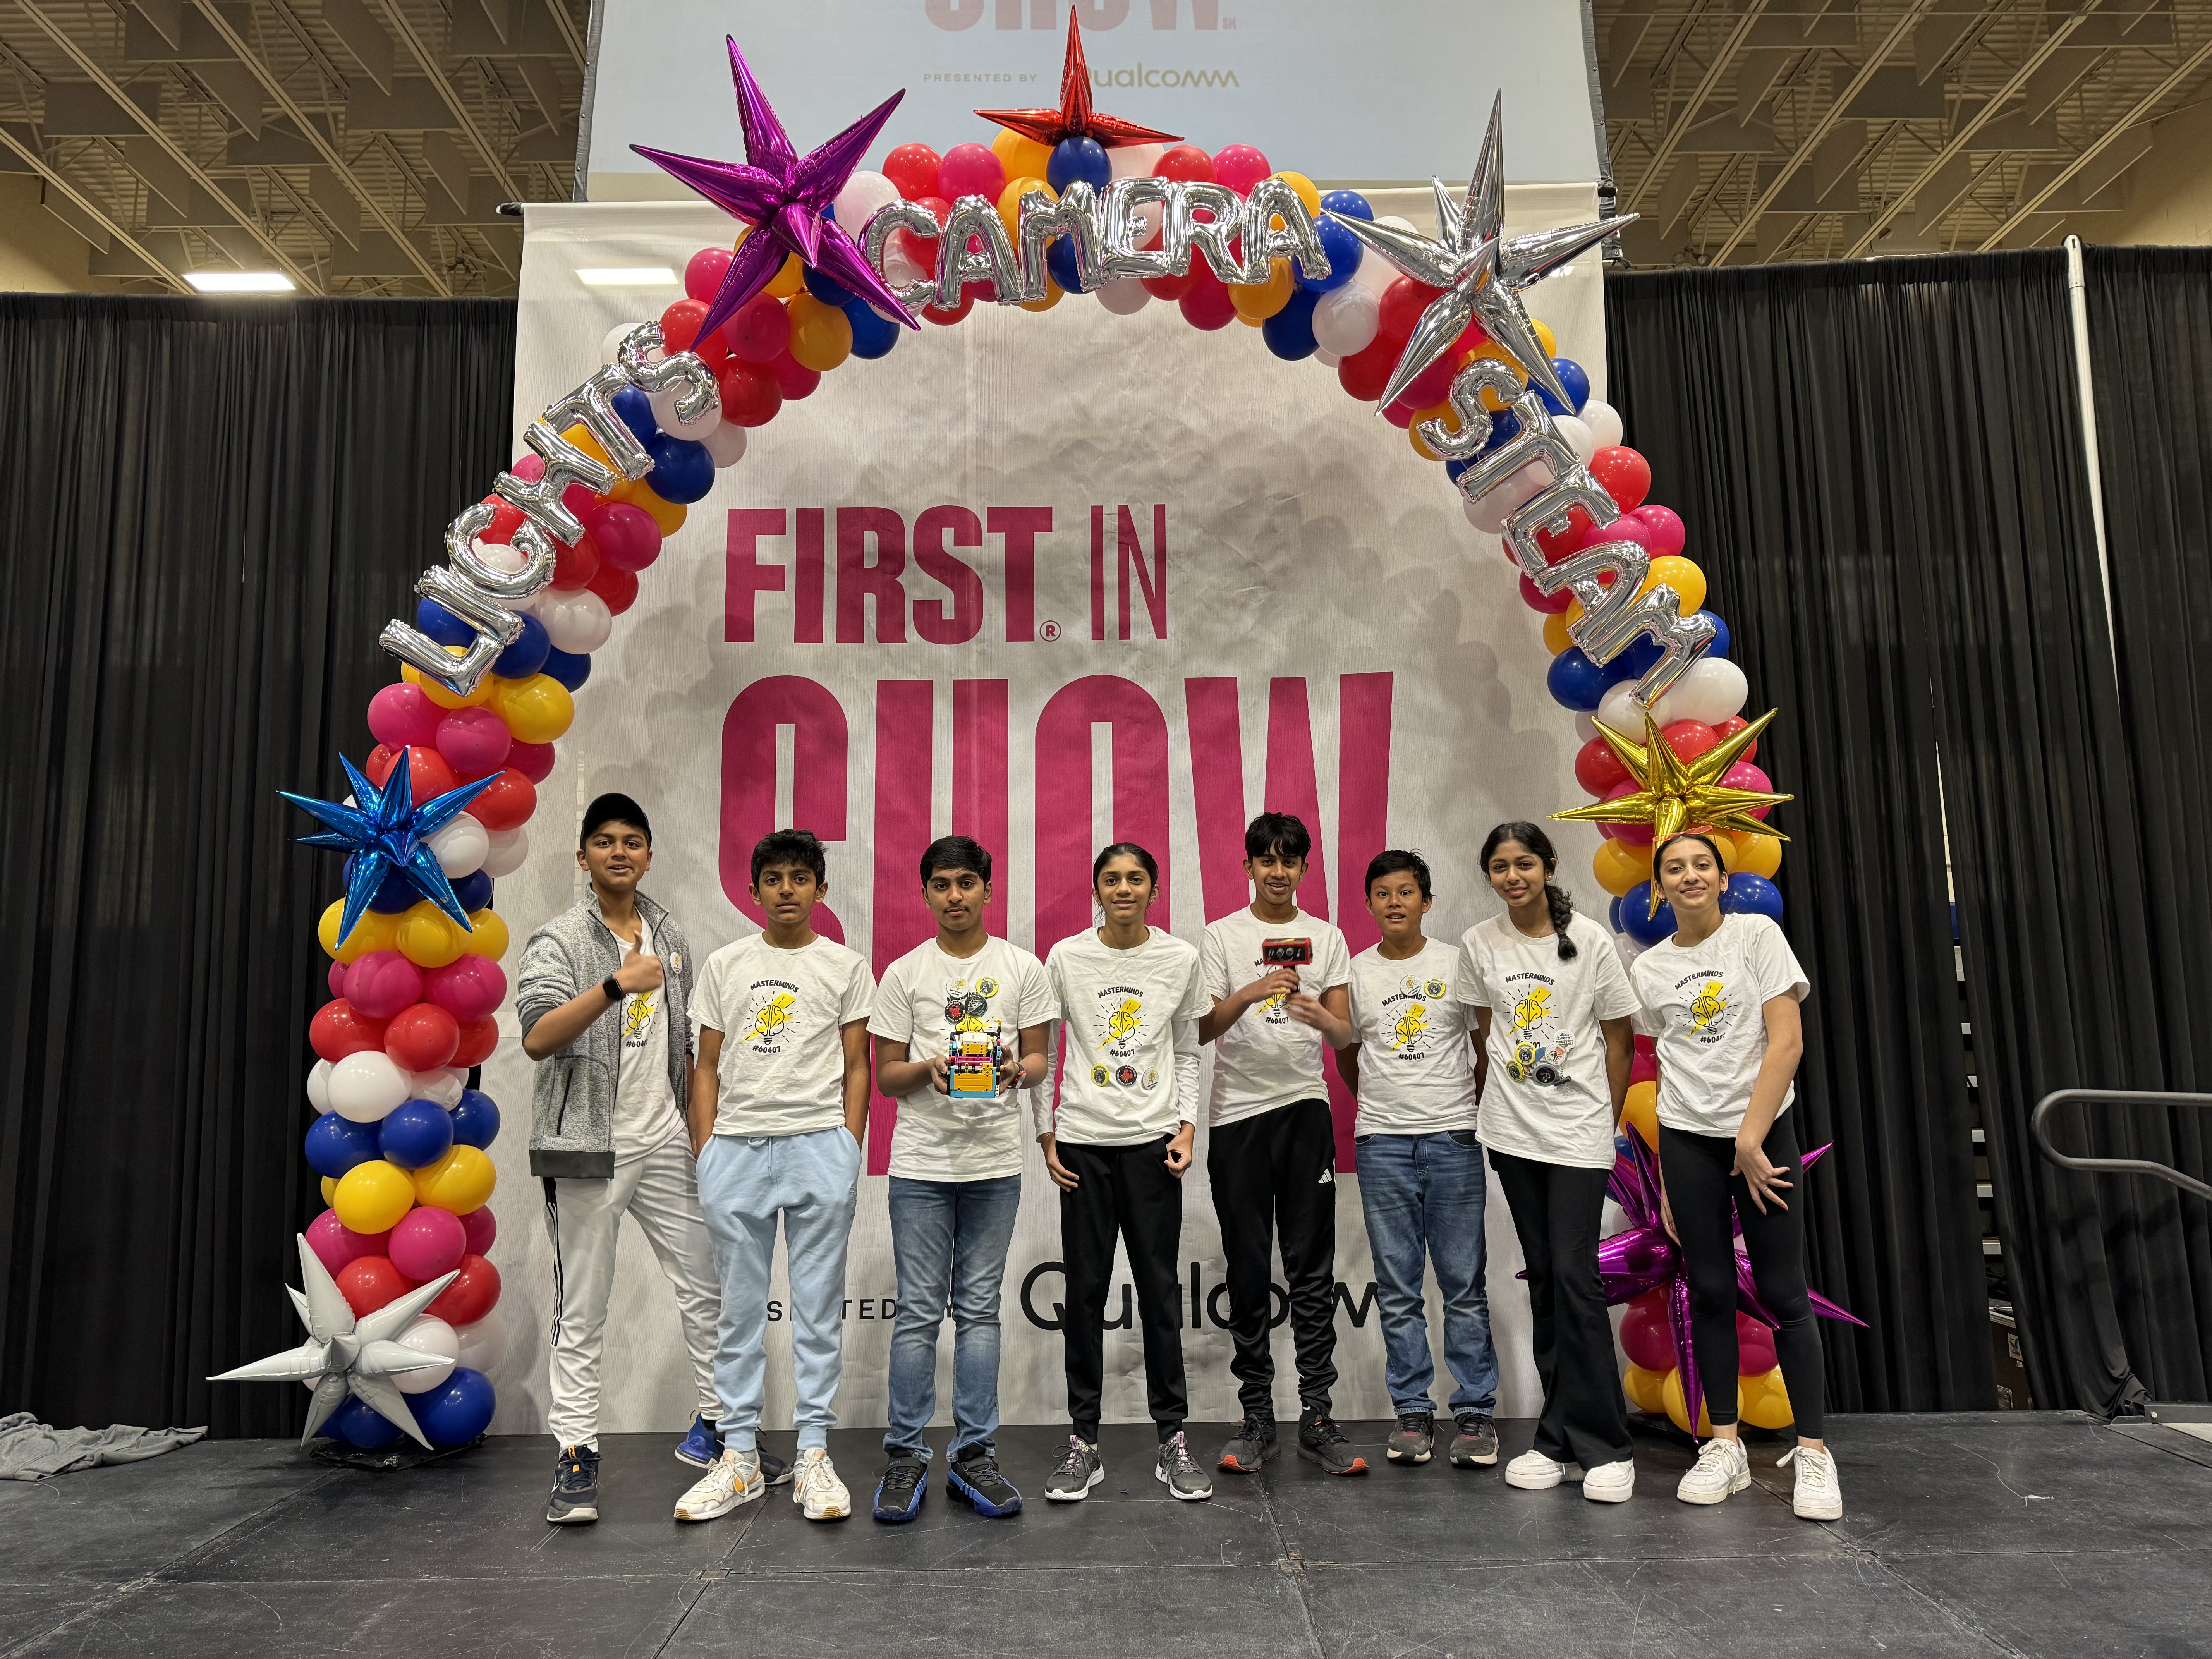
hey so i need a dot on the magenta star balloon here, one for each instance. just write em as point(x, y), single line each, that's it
point(783, 195)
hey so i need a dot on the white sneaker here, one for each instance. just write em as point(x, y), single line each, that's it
point(1533, 1471)
point(1611, 1483)
point(815, 1487)
point(732, 1479)
point(1817, 1497)
point(1722, 1471)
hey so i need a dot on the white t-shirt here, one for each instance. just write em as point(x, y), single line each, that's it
point(1129, 1014)
point(925, 995)
point(1703, 1007)
point(645, 1105)
point(782, 1070)
point(1416, 1069)
point(1545, 1096)
point(1267, 1059)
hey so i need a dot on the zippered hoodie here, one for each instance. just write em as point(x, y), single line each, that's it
point(572, 1108)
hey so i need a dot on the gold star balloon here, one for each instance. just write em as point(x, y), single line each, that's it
point(1674, 794)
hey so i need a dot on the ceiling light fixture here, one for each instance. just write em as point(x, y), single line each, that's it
point(239, 281)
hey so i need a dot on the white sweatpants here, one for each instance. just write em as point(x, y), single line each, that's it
point(660, 1193)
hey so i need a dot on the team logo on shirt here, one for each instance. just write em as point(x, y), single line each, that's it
point(774, 1005)
point(987, 987)
point(1126, 1076)
point(1101, 1076)
point(1708, 1005)
point(1535, 1054)
point(1433, 990)
point(637, 1017)
point(1413, 1021)
point(1122, 1023)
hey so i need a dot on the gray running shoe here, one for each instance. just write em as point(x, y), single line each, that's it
point(1255, 1441)
point(1179, 1472)
point(575, 1487)
point(1414, 1441)
point(1078, 1471)
point(1319, 1441)
point(1475, 1445)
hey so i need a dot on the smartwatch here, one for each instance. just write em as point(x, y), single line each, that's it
point(612, 987)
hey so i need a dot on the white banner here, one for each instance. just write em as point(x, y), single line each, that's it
point(1053, 580)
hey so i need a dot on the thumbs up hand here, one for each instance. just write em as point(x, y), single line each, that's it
point(639, 973)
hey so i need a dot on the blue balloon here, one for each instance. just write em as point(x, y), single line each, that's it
point(1288, 333)
point(1504, 429)
point(359, 1425)
point(1577, 381)
point(874, 336)
point(442, 625)
point(636, 414)
point(394, 894)
point(1635, 660)
point(1060, 263)
point(1343, 253)
point(1613, 915)
point(457, 1412)
point(415, 1133)
point(336, 1144)
point(1719, 647)
point(1079, 158)
point(1348, 204)
point(824, 288)
point(527, 654)
point(473, 890)
point(1751, 895)
point(1643, 929)
point(682, 472)
point(476, 1120)
point(571, 668)
point(1576, 682)
point(1453, 468)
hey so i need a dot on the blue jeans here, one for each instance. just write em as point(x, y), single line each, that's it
point(949, 1241)
point(1423, 1197)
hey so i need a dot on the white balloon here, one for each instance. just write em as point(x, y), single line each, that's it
point(578, 622)
point(1491, 511)
point(899, 269)
point(1375, 274)
point(1345, 318)
point(1585, 727)
point(1604, 422)
point(428, 1334)
point(367, 1086)
point(611, 346)
point(483, 1343)
point(1578, 436)
point(461, 845)
point(1710, 690)
point(726, 443)
point(1326, 358)
point(666, 417)
point(1136, 162)
point(318, 1087)
point(510, 847)
point(1124, 297)
point(1619, 709)
point(442, 1085)
point(863, 194)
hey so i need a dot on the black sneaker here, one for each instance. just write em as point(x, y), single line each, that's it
point(1255, 1441)
point(1475, 1445)
point(576, 1486)
point(1414, 1440)
point(973, 1473)
point(1319, 1441)
point(899, 1493)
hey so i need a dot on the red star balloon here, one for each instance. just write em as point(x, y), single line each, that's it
point(1075, 118)
point(782, 195)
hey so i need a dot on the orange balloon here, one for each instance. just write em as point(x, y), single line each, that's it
point(790, 277)
point(1681, 574)
point(1756, 855)
point(1257, 301)
point(1309, 193)
point(1619, 864)
point(821, 334)
point(1497, 354)
point(1640, 1112)
point(1052, 293)
point(1010, 202)
point(1022, 156)
point(1556, 638)
point(580, 436)
point(438, 695)
point(1443, 412)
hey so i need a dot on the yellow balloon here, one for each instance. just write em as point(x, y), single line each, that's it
point(537, 710)
point(1619, 864)
point(1257, 301)
point(1052, 293)
point(1681, 574)
point(438, 695)
point(1646, 1389)
point(330, 1189)
point(821, 334)
point(1640, 1112)
point(1756, 855)
point(1307, 191)
point(1497, 353)
point(1021, 156)
point(1767, 1400)
point(460, 1181)
point(1251, 322)
point(669, 515)
point(580, 436)
point(1678, 1406)
point(1009, 202)
point(487, 936)
point(788, 280)
point(427, 938)
point(1443, 412)
point(373, 932)
point(1546, 338)
point(1555, 640)
point(372, 1197)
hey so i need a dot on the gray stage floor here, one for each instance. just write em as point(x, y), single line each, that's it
point(2004, 1534)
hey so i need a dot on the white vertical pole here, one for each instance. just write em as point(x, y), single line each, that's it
point(2085, 394)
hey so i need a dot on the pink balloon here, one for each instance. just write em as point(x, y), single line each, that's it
point(1629, 529)
point(468, 988)
point(336, 1244)
point(703, 274)
point(628, 539)
point(533, 759)
point(1645, 1340)
point(474, 741)
point(428, 1242)
point(1635, 835)
point(1669, 536)
point(402, 717)
point(1240, 166)
point(1742, 775)
point(337, 979)
point(481, 1227)
point(970, 170)
point(1644, 1068)
point(530, 468)
point(383, 981)
point(1754, 1345)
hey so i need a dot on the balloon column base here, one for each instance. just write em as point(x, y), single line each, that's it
point(406, 1455)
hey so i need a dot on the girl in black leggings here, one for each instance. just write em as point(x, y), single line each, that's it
point(1721, 997)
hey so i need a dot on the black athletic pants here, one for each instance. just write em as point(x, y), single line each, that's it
point(1699, 1184)
point(1126, 1192)
point(1556, 1211)
point(1276, 1173)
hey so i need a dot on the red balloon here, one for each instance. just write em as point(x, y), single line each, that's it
point(535, 761)
point(1430, 386)
point(1668, 534)
point(507, 802)
point(480, 1037)
point(1728, 728)
point(1649, 1046)
point(617, 587)
point(1644, 1068)
point(423, 1038)
point(912, 169)
point(1645, 1337)
point(379, 984)
point(944, 317)
point(759, 330)
point(468, 988)
point(1565, 543)
point(505, 516)
point(923, 250)
point(338, 1029)
point(1625, 475)
point(1402, 304)
point(1207, 305)
point(1597, 768)
point(575, 563)
point(401, 714)
point(367, 1282)
point(1174, 288)
point(427, 771)
point(1689, 738)
point(474, 741)
point(970, 170)
point(1754, 1347)
point(1367, 371)
point(794, 377)
point(1635, 835)
point(751, 394)
point(1536, 599)
point(1240, 166)
point(628, 538)
point(1400, 414)
point(703, 276)
point(1186, 164)
point(473, 1293)
point(481, 1227)
point(679, 324)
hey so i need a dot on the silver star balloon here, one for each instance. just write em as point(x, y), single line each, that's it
point(1480, 272)
point(345, 1354)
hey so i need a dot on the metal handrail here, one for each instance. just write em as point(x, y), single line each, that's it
point(2134, 1166)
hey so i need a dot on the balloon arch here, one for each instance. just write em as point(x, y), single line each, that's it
point(399, 1296)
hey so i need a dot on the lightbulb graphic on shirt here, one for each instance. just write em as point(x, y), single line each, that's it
point(1532, 1009)
point(640, 1015)
point(1122, 1024)
point(773, 1016)
point(1411, 1023)
point(1538, 1054)
point(1708, 1005)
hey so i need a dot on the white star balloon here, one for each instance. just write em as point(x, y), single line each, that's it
point(345, 1354)
point(1480, 272)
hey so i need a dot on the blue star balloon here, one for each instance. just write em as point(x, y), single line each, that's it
point(387, 832)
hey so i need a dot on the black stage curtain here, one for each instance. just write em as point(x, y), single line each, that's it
point(210, 509)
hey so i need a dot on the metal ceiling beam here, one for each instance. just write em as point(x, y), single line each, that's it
point(91, 209)
point(2188, 68)
point(315, 136)
point(1973, 123)
point(567, 25)
point(428, 63)
point(100, 77)
point(1707, 83)
point(1826, 125)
